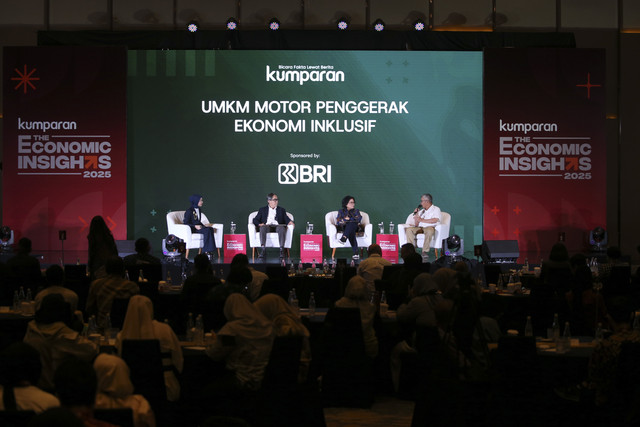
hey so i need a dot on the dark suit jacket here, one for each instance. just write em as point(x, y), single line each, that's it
point(191, 218)
point(263, 214)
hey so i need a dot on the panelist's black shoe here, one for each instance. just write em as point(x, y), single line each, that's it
point(263, 254)
point(281, 253)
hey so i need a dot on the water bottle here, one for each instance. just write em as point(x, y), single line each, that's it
point(391, 227)
point(198, 335)
point(384, 307)
point(312, 305)
point(169, 282)
point(283, 263)
point(294, 301)
point(21, 295)
point(300, 267)
point(599, 332)
point(555, 327)
point(325, 266)
point(528, 328)
point(190, 327)
point(141, 276)
point(78, 261)
point(567, 331)
point(107, 326)
point(183, 277)
point(313, 264)
point(292, 270)
point(353, 263)
point(92, 328)
point(126, 275)
point(526, 265)
point(28, 298)
point(16, 302)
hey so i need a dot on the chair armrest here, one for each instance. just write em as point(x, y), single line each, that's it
point(181, 231)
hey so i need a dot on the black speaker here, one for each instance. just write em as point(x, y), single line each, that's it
point(500, 251)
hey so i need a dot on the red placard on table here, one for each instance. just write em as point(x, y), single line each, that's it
point(311, 247)
point(234, 244)
point(389, 245)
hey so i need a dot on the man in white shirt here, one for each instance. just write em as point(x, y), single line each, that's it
point(424, 221)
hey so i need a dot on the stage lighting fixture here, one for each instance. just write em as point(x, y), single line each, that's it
point(274, 24)
point(419, 25)
point(232, 24)
point(453, 246)
point(343, 23)
point(192, 26)
point(6, 238)
point(598, 239)
point(378, 25)
point(173, 246)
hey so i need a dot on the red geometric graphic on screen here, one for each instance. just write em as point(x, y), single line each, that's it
point(588, 85)
point(25, 78)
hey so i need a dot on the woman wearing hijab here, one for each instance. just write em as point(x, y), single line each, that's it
point(192, 218)
point(285, 322)
point(349, 218)
point(244, 344)
point(115, 390)
point(139, 325)
point(50, 334)
point(423, 298)
point(355, 295)
point(101, 246)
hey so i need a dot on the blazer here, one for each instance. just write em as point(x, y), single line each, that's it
point(191, 218)
point(263, 214)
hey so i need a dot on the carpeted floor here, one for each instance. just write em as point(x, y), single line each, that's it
point(386, 411)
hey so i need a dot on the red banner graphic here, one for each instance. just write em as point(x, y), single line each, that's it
point(544, 147)
point(64, 149)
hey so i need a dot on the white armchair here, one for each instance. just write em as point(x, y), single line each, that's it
point(442, 232)
point(176, 227)
point(364, 240)
point(272, 238)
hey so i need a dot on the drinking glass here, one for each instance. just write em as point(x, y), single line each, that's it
point(381, 227)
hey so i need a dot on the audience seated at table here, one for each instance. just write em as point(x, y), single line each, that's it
point(50, 334)
point(446, 280)
point(615, 274)
point(143, 254)
point(356, 295)
point(20, 369)
point(371, 268)
point(115, 390)
point(76, 386)
point(140, 325)
point(464, 332)
point(244, 345)
point(104, 290)
point(417, 311)
point(285, 322)
point(587, 307)
point(402, 281)
point(55, 285)
point(555, 273)
point(102, 246)
point(257, 277)
point(237, 281)
point(23, 269)
point(193, 298)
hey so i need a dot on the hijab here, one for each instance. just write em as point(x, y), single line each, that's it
point(138, 322)
point(53, 309)
point(113, 376)
point(356, 289)
point(285, 321)
point(194, 200)
point(243, 319)
point(424, 284)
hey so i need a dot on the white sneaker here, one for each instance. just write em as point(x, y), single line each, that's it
point(355, 257)
point(425, 256)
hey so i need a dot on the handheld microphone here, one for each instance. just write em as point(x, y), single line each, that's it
point(415, 212)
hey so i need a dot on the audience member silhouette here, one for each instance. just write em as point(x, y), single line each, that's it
point(104, 290)
point(285, 322)
point(193, 298)
point(76, 386)
point(23, 269)
point(356, 295)
point(20, 369)
point(257, 277)
point(101, 246)
point(244, 344)
point(55, 285)
point(50, 334)
point(143, 254)
point(115, 390)
point(140, 325)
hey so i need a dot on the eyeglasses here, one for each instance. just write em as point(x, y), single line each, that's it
point(274, 200)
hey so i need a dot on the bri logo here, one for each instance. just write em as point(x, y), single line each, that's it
point(293, 173)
